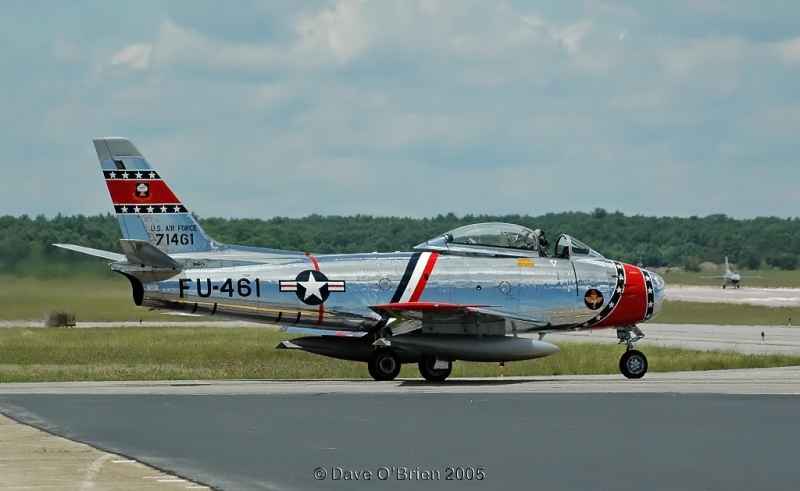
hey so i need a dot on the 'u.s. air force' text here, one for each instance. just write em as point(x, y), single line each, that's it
point(173, 234)
point(242, 287)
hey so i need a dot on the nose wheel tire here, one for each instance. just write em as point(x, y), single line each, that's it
point(384, 365)
point(426, 364)
point(633, 364)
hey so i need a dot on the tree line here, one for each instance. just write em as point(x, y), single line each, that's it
point(765, 242)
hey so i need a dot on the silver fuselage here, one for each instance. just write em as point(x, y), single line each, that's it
point(543, 288)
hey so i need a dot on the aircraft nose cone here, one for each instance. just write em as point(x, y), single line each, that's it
point(658, 293)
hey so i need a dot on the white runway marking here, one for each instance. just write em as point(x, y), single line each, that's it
point(94, 468)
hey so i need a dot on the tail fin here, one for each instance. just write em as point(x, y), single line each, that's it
point(727, 267)
point(146, 208)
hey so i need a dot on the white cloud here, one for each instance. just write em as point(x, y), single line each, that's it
point(340, 30)
point(135, 56)
point(710, 65)
point(789, 50)
point(178, 48)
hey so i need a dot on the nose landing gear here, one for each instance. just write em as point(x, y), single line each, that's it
point(633, 363)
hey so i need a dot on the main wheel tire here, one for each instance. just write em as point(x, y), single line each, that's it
point(384, 365)
point(431, 374)
point(633, 364)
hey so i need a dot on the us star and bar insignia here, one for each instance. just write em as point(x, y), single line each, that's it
point(312, 287)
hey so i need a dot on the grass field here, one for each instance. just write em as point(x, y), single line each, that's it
point(97, 300)
point(201, 353)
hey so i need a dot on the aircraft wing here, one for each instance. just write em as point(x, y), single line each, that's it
point(538, 321)
point(410, 315)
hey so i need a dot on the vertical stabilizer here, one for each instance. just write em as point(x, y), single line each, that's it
point(146, 207)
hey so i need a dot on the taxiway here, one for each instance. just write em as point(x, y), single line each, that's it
point(693, 430)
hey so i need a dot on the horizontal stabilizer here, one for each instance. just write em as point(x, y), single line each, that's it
point(142, 252)
point(112, 256)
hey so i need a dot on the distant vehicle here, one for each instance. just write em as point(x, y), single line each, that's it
point(730, 278)
point(467, 294)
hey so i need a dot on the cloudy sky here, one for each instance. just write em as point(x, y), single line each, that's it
point(407, 108)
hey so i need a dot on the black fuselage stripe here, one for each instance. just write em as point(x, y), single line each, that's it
point(401, 288)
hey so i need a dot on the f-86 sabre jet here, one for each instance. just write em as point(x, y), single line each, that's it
point(487, 292)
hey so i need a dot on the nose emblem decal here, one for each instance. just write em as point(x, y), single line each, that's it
point(593, 299)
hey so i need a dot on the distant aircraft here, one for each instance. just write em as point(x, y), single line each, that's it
point(469, 294)
point(729, 278)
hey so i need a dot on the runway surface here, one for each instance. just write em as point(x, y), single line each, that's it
point(712, 430)
point(727, 430)
point(742, 339)
point(768, 297)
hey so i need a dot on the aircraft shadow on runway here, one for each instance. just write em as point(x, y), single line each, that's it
point(467, 383)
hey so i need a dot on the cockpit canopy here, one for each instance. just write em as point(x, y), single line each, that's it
point(503, 239)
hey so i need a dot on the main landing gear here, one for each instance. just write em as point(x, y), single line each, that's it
point(433, 370)
point(633, 363)
point(385, 365)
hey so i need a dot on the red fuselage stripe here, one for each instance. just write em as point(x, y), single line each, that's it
point(423, 281)
point(313, 260)
point(321, 306)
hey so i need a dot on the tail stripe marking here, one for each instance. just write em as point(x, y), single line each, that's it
point(154, 208)
point(142, 192)
point(137, 175)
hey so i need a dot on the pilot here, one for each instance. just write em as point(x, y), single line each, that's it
point(542, 240)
